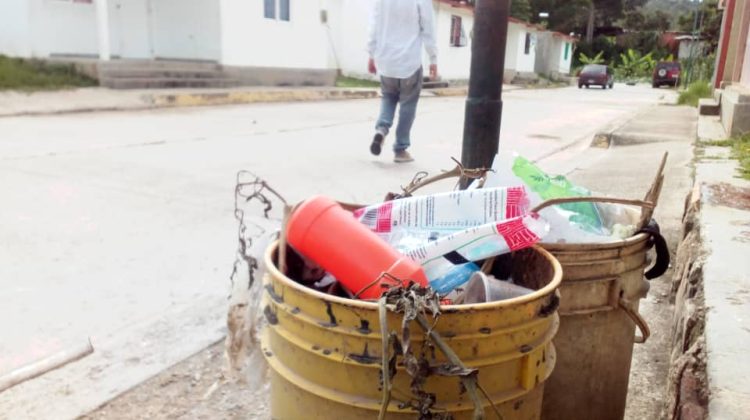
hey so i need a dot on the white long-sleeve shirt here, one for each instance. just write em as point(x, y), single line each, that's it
point(398, 30)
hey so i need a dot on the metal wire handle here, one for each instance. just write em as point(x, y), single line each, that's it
point(637, 319)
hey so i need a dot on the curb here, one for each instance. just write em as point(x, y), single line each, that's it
point(604, 139)
point(249, 97)
point(150, 101)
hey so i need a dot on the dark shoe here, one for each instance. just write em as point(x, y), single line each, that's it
point(402, 156)
point(377, 144)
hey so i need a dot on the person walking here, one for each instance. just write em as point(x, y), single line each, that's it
point(398, 31)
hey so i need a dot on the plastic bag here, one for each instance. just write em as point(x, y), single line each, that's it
point(571, 222)
point(448, 261)
point(411, 222)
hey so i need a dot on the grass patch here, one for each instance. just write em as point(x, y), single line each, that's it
point(694, 92)
point(352, 82)
point(741, 152)
point(717, 143)
point(29, 75)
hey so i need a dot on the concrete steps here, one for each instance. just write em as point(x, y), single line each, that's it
point(155, 74)
point(167, 83)
point(708, 106)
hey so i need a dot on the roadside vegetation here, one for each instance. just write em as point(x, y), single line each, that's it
point(31, 75)
point(740, 146)
point(694, 92)
point(741, 152)
point(351, 82)
point(635, 42)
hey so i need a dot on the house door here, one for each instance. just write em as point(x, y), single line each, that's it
point(131, 28)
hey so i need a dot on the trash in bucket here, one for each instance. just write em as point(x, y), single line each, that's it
point(408, 356)
point(321, 230)
point(411, 222)
point(487, 288)
point(574, 222)
point(414, 259)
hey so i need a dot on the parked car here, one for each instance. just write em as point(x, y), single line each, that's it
point(596, 74)
point(666, 73)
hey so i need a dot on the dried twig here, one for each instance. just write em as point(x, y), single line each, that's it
point(415, 303)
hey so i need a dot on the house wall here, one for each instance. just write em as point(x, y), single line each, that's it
point(740, 29)
point(511, 54)
point(15, 29)
point(249, 39)
point(565, 62)
point(130, 27)
point(346, 30)
point(548, 54)
point(745, 72)
point(688, 47)
point(515, 59)
point(454, 63)
point(61, 27)
point(524, 63)
point(186, 29)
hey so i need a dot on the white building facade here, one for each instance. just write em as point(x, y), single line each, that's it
point(554, 54)
point(273, 35)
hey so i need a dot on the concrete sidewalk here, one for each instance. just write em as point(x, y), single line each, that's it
point(711, 286)
point(103, 99)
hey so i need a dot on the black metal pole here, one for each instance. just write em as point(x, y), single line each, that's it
point(484, 105)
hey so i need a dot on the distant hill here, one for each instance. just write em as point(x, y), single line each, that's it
point(675, 8)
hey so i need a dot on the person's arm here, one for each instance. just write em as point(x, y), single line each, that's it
point(372, 36)
point(427, 27)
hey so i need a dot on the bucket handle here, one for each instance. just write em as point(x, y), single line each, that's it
point(565, 200)
point(637, 319)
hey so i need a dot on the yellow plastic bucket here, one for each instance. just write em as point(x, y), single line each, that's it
point(599, 295)
point(325, 351)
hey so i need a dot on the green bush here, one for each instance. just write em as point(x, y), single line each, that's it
point(700, 68)
point(634, 66)
point(741, 151)
point(17, 73)
point(696, 90)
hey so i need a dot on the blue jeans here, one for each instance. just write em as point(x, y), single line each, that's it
point(404, 92)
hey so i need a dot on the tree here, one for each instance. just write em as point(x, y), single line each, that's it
point(564, 15)
point(634, 65)
point(640, 20)
point(709, 21)
point(521, 9)
point(597, 59)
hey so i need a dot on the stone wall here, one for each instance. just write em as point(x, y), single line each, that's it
point(688, 385)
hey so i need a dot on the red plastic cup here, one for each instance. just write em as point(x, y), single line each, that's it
point(322, 231)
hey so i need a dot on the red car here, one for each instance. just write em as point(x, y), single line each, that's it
point(596, 74)
point(666, 73)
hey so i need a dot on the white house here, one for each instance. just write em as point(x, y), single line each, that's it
point(554, 54)
point(690, 47)
point(271, 36)
point(454, 23)
point(255, 41)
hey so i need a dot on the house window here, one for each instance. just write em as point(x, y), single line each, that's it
point(567, 50)
point(458, 36)
point(276, 9)
point(527, 44)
